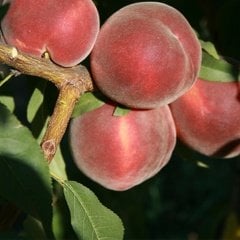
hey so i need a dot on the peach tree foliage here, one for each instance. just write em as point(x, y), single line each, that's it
point(28, 185)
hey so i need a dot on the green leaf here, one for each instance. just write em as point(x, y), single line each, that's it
point(36, 101)
point(90, 219)
point(121, 111)
point(8, 77)
point(8, 101)
point(5, 72)
point(88, 102)
point(210, 49)
point(24, 173)
point(217, 70)
point(61, 217)
point(36, 112)
point(58, 221)
point(58, 166)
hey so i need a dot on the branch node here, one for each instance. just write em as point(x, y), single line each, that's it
point(49, 148)
point(14, 53)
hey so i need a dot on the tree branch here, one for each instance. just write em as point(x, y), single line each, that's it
point(71, 82)
point(69, 94)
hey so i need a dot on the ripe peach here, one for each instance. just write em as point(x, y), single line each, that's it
point(207, 118)
point(121, 152)
point(67, 30)
point(146, 55)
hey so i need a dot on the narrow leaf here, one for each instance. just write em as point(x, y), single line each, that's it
point(35, 101)
point(36, 111)
point(8, 101)
point(88, 102)
point(217, 70)
point(5, 73)
point(121, 111)
point(58, 166)
point(90, 219)
point(8, 77)
point(24, 174)
point(210, 49)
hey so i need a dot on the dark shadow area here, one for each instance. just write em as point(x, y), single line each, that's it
point(20, 89)
point(228, 148)
point(22, 185)
point(227, 29)
point(3, 114)
point(3, 9)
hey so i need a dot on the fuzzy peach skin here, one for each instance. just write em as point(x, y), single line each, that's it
point(67, 30)
point(146, 55)
point(207, 118)
point(122, 152)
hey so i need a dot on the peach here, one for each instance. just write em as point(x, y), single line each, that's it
point(122, 152)
point(67, 30)
point(207, 118)
point(146, 55)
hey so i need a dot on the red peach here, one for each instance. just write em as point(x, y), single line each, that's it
point(207, 118)
point(146, 55)
point(122, 152)
point(67, 30)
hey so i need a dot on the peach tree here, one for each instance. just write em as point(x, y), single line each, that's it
point(111, 97)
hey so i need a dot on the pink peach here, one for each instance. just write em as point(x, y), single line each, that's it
point(122, 152)
point(207, 118)
point(146, 55)
point(67, 30)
